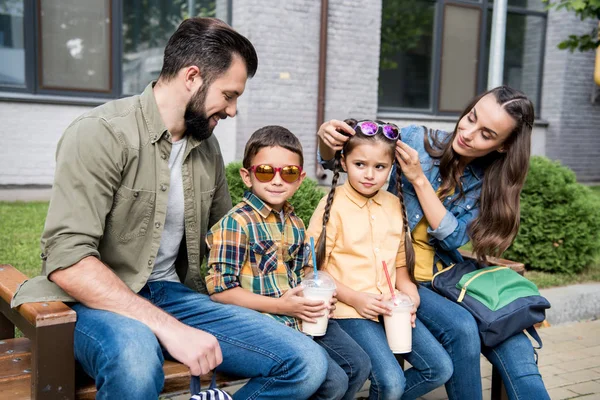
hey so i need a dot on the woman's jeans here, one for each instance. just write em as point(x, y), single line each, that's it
point(125, 358)
point(456, 329)
point(431, 365)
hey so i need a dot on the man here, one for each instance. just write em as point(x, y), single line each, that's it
point(138, 182)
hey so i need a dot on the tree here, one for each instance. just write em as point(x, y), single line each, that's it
point(584, 9)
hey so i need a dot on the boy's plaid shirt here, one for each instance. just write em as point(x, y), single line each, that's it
point(251, 247)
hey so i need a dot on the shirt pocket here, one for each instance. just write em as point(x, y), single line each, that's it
point(463, 206)
point(130, 214)
point(264, 256)
point(206, 200)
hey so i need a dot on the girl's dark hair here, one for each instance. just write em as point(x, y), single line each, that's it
point(209, 44)
point(497, 224)
point(353, 141)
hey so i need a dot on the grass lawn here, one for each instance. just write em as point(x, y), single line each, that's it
point(21, 226)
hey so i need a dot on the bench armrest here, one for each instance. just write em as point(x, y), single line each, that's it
point(516, 266)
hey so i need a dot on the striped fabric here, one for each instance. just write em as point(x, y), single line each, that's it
point(212, 393)
point(257, 248)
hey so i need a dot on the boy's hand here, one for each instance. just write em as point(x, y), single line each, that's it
point(370, 305)
point(294, 305)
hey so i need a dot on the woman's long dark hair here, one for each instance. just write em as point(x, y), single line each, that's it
point(497, 224)
point(353, 141)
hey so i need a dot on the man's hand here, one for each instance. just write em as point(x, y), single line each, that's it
point(294, 305)
point(370, 306)
point(198, 350)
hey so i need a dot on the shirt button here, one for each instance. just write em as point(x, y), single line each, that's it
point(416, 216)
point(163, 187)
point(372, 217)
point(163, 156)
point(157, 224)
point(468, 206)
point(136, 194)
point(376, 249)
point(149, 262)
point(449, 197)
point(439, 179)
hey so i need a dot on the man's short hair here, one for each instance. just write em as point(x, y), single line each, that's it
point(271, 136)
point(209, 44)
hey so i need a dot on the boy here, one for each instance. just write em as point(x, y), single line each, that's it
point(256, 255)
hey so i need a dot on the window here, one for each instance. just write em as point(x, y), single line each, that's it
point(95, 48)
point(434, 53)
point(12, 44)
point(146, 30)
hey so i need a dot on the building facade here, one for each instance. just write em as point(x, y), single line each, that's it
point(407, 61)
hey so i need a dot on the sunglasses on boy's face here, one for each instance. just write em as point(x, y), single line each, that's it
point(370, 128)
point(265, 173)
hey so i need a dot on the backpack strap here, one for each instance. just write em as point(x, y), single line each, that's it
point(195, 385)
point(533, 333)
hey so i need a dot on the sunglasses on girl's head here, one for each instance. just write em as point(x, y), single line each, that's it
point(265, 172)
point(370, 128)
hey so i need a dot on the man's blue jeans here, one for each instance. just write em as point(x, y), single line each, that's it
point(125, 358)
point(431, 365)
point(456, 329)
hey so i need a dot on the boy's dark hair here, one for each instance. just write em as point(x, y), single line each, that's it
point(271, 136)
point(209, 44)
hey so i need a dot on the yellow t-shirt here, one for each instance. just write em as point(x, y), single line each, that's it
point(424, 252)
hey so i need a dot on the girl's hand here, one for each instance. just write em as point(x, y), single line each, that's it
point(293, 304)
point(329, 133)
point(408, 158)
point(370, 305)
point(332, 303)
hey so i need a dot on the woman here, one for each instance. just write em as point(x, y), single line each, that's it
point(458, 187)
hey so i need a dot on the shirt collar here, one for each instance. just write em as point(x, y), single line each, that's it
point(358, 198)
point(263, 208)
point(156, 126)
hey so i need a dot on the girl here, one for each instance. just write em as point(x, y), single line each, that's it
point(359, 226)
point(460, 186)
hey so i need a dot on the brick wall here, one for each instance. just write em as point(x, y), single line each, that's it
point(284, 91)
point(573, 135)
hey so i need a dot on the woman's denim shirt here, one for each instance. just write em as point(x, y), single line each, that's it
point(452, 230)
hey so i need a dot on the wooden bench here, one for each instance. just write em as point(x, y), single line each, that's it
point(41, 365)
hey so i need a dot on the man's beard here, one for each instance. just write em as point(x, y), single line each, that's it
point(196, 122)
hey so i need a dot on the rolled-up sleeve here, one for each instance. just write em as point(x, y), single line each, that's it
point(90, 158)
point(228, 247)
point(452, 232)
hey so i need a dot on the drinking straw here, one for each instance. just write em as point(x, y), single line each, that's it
point(314, 256)
point(387, 275)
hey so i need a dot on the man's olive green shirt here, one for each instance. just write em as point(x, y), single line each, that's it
point(110, 192)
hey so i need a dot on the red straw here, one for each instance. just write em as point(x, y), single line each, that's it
point(387, 275)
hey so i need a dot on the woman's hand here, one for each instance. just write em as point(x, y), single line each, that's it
point(334, 134)
point(369, 305)
point(408, 158)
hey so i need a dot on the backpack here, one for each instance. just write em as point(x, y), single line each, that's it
point(502, 302)
point(212, 393)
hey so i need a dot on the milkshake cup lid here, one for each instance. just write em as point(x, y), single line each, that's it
point(402, 301)
point(323, 281)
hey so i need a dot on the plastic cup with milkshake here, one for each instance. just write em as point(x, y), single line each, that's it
point(398, 328)
point(320, 288)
